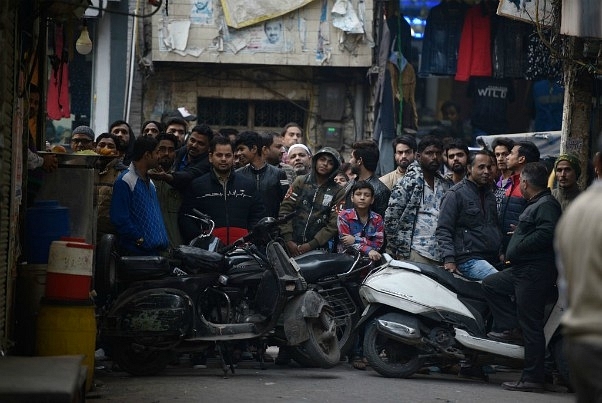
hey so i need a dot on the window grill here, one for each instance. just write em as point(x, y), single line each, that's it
point(250, 113)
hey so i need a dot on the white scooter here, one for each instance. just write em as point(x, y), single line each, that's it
point(419, 315)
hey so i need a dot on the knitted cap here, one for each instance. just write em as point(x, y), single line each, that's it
point(572, 160)
point(84, 130)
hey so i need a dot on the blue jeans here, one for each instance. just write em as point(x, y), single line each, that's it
point(476, 269)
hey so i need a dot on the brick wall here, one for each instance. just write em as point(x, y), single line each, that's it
point(175, 85)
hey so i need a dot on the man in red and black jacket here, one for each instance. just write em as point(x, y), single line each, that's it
point(230, 199)
point(514, 203)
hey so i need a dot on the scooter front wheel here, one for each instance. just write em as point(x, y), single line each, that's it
point(139, 360)
point(322, 347)
point(389, 357)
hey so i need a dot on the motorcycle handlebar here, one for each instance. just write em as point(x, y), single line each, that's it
point(199, 215)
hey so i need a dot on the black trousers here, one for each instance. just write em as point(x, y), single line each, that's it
point(585, 363)
point(531, 287)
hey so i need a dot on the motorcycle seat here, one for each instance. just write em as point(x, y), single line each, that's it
point(466, 288)
point(316, 265)
point(134, 268)
point(195, 260)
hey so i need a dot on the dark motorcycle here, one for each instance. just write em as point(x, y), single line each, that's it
point(336, 277)
point(243, 293)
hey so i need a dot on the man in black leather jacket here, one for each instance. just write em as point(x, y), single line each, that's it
point(270, 181)
point(468, 232)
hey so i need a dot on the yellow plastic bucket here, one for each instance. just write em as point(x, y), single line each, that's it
point(67, 330)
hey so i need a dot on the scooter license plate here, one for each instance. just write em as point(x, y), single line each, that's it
point(294, 264)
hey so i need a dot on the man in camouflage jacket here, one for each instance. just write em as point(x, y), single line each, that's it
point(401, 216)
point(315, 196)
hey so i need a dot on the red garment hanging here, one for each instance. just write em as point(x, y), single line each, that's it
point(474, 53)
point(57, 105)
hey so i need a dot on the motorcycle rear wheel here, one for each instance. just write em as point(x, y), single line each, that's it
point(322, 347)
point(388, 357)
point(139, 361)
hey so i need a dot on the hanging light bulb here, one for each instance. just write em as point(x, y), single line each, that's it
point(83, 45)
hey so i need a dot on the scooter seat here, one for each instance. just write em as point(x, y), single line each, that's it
point(466, 288)
point(135, 268)
point(317, 265)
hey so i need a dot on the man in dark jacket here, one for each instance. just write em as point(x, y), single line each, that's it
point(191, 161)
point(364, 157)
point(529, 279)
point(468, 233)
point(316, 197)
point(271, 182)
point(230, 199)
point(514, 203)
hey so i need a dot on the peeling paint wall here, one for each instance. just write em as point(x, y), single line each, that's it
point(303, 37)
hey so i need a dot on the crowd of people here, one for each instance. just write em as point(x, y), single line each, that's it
point(488, 215)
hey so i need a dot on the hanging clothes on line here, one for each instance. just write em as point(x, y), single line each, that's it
point(57, 104)
point(474, 54)
point(442, 39)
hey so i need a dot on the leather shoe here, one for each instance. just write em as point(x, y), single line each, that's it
point(514, 336)
point(522, 386)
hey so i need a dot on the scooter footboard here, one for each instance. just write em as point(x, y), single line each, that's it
point(297, 310)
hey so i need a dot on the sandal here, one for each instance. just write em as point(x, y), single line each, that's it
point(359, 363)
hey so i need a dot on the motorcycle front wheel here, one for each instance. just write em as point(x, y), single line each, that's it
point(322, 347)
point(138, 360)
point(389, 357)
